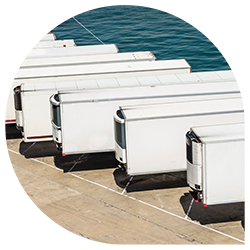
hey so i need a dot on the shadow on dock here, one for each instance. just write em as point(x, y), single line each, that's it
point(150, 182)
point(11, 132)
point(213, 213)
point(78, 162)
point(38, 149)
point(82, 162)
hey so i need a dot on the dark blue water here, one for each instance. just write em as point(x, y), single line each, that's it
point(134, 28)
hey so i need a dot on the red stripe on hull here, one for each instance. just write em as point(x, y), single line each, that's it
point(39, 137)
point(12, 120)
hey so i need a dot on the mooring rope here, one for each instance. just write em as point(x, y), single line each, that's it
point(88, 31)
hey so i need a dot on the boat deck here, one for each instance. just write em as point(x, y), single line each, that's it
point(89, 196)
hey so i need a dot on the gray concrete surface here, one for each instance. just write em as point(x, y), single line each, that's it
point(90, 201)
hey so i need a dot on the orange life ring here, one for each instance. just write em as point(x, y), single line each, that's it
point(31, 29)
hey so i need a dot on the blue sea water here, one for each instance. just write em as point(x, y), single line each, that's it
point(135, 28)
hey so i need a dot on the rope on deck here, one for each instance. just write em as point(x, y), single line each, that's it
point(88, 31)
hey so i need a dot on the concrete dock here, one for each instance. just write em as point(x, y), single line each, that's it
point(89, 196)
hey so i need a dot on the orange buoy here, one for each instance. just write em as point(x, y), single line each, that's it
point(31, 29)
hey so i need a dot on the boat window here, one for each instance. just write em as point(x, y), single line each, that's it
point(56, 115)
point(17, 98)
point(191, 138)
point(189, 152)
point(120, 134)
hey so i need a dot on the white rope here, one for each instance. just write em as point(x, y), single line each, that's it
point(88, 31)
point(127, 184)
point(191, 203)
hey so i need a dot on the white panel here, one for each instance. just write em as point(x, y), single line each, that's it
point(107, 83)
point(194, 176)
point(166, 79)
point(227, 74)
point(205, 76)
point(76, 51)
point(148, 80)
point(87, 84)
point(128, 81)
point(44, 86)
point(93, 132)
point(189, 78)
point(66, 85)
point(28, 87)
point(224, 172)
point(37, 119)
